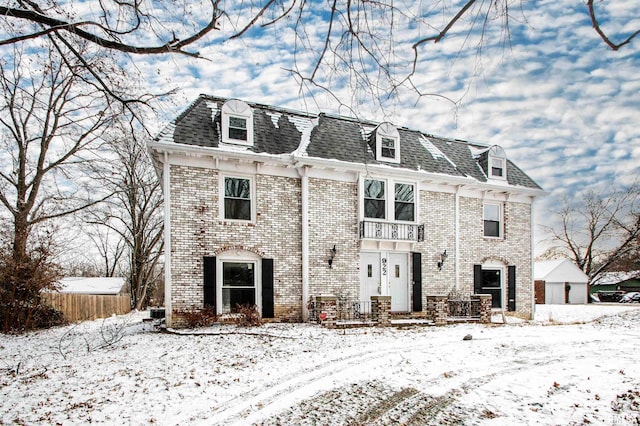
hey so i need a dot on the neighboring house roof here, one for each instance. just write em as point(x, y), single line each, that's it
point(559, 270)
point(279, 132)
point(93, 285)
point(612, 278)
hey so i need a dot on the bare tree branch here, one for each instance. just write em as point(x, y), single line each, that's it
point(596, 26)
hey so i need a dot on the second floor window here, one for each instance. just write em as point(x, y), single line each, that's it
point(237, 198)
point(404, 202)
point(374, 199)
point(492, 220)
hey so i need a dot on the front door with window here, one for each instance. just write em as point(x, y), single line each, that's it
point(398, 282)
point(492, 284)
point(385, 274)
point(238, 285)
point(370, 284)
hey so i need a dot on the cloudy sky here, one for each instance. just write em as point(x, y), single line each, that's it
point(565, 107)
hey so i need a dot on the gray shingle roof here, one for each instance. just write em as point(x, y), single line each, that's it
point(280, 131)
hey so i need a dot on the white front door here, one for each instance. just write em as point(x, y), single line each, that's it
point(399, 282)
point(370, 283)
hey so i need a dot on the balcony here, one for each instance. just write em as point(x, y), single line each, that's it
point(391, 231)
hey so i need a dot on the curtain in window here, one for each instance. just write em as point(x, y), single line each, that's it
point(237, 199)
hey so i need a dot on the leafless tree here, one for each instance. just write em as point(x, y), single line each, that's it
point(51, 121)
point(599, 231)
point(357, 39)
point(133, 214)
point(110, 245)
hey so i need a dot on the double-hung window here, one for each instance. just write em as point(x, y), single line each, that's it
point(237, 128)
point(492, 220)
point(387, 139)
point(404, 202)
point(237, 198)
point(388, 148)
point(374, 199)
point(497, 167)
point(497, 163)
point(238, 285)
point(237, 123)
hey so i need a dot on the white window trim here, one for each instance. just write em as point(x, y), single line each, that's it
point(239, 109)
point(389, 131)
point(239, 256)
point(415, 202)
point(496, 153)
point(221, 197)
point(501, 218)
point(390, 200)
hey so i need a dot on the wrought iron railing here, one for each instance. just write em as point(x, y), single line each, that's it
point(394, 231)
point(346, 310)
point(462, 305)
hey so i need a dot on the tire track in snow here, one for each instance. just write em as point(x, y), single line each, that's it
point(256, 403)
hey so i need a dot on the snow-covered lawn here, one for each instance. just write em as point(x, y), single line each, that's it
point(572, 365)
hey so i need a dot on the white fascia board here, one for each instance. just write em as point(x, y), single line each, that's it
point(220, 153)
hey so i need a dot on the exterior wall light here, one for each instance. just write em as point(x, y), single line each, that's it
point(443, 257)
point(332, 255)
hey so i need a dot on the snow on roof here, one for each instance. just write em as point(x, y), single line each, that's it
point(559, 270)
point(92, 285)
point(305, 126)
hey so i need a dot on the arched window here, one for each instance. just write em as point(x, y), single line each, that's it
point(497, 163)
point(387, 143)
point(237, 123)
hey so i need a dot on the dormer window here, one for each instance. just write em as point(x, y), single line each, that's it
point(238, 128)
point(388, 148)
point(497, 163)
point(387, 143)
point(237, 123)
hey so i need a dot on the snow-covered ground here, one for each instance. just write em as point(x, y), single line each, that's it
point(572, 365)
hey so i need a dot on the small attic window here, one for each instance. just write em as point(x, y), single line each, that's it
point(497, 163)
point(387, 143)
point(237, 123)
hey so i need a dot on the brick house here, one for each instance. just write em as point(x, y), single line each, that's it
point(275, 207)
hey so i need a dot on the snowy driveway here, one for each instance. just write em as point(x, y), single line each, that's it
point(541, 372)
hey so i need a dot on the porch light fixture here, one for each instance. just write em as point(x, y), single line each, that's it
point(332, 255)
point(443, 257)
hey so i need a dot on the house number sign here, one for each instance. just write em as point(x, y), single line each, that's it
point(384, 266)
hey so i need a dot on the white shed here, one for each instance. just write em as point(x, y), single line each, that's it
point(560, 281)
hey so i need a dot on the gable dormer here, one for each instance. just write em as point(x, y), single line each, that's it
point(387, 143)
point(237, 123)
point(493, 162)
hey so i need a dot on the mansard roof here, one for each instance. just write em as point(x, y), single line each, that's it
point(280, 131)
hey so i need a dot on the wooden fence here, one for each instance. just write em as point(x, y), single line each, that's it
point(82, 307)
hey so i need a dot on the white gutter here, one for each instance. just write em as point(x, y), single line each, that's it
point(167, 239)
point(304, 179)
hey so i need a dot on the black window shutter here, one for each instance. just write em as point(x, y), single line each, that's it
point(477, 279)
point(511, 290)
point(417, 281)
point(267, 288)
point(209, 273)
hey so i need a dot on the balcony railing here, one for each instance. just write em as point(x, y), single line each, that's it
point(393, 231)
